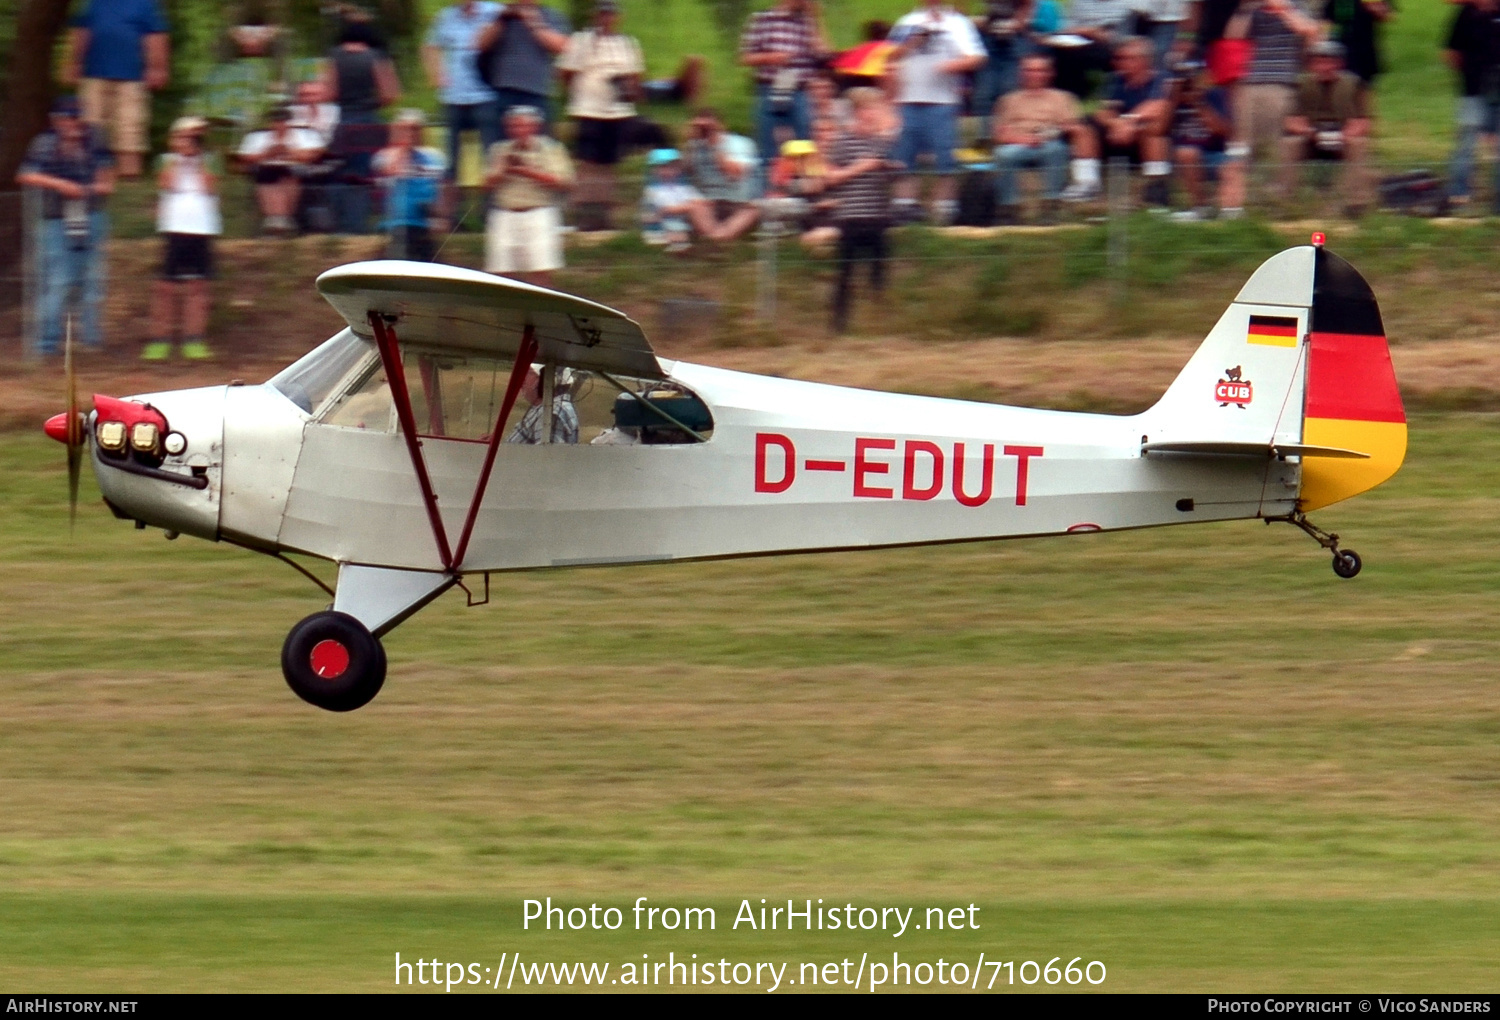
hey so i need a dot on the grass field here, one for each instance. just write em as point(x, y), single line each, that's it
point(1195, 755)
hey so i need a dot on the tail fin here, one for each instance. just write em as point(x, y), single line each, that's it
point(1299, 359)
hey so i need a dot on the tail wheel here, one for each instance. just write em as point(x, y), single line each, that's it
point(1346, 563)
point(333, 661)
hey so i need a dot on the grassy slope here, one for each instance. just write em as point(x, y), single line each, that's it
point(1194, 754)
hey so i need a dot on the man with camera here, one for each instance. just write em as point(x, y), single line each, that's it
point(528, 175)
point(723, 167)
point(410, 174)
point(1330, 121)
point(516, 53)
point(783, 45)
point(937, 47)
point(1473, 50)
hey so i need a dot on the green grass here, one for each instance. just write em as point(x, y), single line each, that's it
point(1194, 754)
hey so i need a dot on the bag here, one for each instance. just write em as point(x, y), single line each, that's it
point(976, 200)
point(1229, 59)
point(1415, 193)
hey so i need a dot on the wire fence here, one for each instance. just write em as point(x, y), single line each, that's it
point(1120, 227)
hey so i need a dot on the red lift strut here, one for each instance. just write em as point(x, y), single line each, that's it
point(395, 372)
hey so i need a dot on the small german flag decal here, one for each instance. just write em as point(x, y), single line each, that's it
point(1273, 331)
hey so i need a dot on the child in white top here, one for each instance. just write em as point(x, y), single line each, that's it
point(667, 202)
point(187, 218)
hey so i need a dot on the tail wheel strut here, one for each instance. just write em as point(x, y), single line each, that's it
point(1346, 562)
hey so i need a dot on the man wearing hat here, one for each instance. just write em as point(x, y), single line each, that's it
point(1330, 120)
point(527, 176)
point(73, 170)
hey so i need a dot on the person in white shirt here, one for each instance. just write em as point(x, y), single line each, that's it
point(313, 111)
point(187, 217)
point(272, 158)
point(601, 70)
point(936, 47)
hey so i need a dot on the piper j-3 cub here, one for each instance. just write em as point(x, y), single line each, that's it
point(465, 424)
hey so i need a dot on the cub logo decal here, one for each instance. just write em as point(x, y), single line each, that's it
point(1232, 389)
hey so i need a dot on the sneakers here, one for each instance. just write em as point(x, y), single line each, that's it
point(1199, 215)
point(156, 350)
point(161, 350)
point(196, 350)
point(1080, 192)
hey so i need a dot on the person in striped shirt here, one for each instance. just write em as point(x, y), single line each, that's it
point(858, 177)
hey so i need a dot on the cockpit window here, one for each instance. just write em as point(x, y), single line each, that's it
point(312, 379)
point(458, 396)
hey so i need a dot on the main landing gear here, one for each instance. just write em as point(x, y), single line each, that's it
point(1346, 562)
point(333, 661)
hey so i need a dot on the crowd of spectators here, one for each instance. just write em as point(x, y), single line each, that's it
point(1188, 94)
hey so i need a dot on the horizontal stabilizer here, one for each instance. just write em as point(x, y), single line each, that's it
point(1267, 450)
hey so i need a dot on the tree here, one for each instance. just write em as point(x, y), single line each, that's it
point(28, 93)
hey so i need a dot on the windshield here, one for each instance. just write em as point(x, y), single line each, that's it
point(312, 379)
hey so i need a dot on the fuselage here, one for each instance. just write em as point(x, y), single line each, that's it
point(790, 466)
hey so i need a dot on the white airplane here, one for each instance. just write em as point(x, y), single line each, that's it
point(396, 449)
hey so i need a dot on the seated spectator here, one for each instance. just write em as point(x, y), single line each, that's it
point(724, 168)
point(1200, 133)
point(1101, 24)
point(273, 158)
point(187, 218)
point(796, 192)
point(1131, 123)
point(668, 204)
point(412, 176)
point(1473, 50)
point(1330, 121)
point(528, 176)
point(313, 111)
point(1033, 129)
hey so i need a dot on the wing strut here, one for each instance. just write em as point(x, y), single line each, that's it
point(395, 372)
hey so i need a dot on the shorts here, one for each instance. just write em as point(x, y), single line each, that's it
point(187, 257)
point(600, 141)
point(523, 242)
point(271, 173)
point(121, 106)
point(1260, 113)
point(928, 128)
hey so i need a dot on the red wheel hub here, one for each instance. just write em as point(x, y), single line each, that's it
point(329, 659)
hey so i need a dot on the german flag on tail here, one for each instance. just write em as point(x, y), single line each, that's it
point(1272, 331)
point(1352, 399)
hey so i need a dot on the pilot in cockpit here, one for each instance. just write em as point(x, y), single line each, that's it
point(529, 429)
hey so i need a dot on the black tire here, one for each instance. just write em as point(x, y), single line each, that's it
point(333, 661)
point(1346, 563)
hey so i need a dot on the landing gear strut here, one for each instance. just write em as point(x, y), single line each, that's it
point(333, 661)
point(1346, 562)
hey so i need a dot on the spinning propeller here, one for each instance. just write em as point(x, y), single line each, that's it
point(67, 428)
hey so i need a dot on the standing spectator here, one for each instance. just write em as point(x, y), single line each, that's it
point(858, 175)
point(937, 46)
point(313, 111)
point(1330, 120)
point(359, 76)
point(1033, 128)
point(723, 167)
point(784, 46)
point(187, 218)
point(117, 54)
point(528, 173)
point(73, 169)
point(1473, 50)
point(1003, 27)
point(517, 49)
point(410, 173)
point(1131, 123)
point(668, 205)
point(602, 71)
point(1200, 135)
point(1356, 24)
point(1276, 30)
point(273, 157)
point(1102, 24)
point(450, 57)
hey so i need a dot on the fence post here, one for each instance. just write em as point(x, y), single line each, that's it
point(1117, 219)
point(31, 240)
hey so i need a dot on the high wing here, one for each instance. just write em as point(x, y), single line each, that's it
point(448, 307)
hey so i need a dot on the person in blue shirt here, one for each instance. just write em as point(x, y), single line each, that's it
point(1132, 122)
point(117, 55)
point(411, 175)
point(74, 172)
point(449, 55)
point(519, 48)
